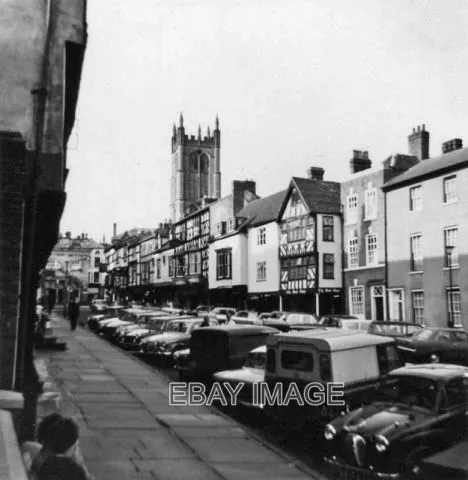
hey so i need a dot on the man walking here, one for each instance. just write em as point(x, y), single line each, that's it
point(73, 313)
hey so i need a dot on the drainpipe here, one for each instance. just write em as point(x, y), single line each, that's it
point(387, 304)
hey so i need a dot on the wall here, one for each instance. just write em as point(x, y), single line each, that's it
point(220, 211)
point(329, 247)
point(430, 222)
point(268, 253)
point(238, 244)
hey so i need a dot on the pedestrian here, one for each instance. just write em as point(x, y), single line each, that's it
point(73, 313)
point(58, 467)
point(206, 321)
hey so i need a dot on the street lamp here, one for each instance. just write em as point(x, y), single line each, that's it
point(449, 251)
point(65, 290)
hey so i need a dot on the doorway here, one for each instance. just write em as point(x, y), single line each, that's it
point(378, 302)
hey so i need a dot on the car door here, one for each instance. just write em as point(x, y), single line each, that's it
point(451, 419)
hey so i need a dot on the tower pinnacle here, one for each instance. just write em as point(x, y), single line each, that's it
point(217, 123)
point(174, 132)
point(181, 120)
point(199, 132)
point(208, 132)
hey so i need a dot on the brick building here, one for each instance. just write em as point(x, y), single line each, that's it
point(42, 53)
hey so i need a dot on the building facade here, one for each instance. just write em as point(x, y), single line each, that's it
point(196, 170)
point(364, 236)
point(310, 245)
point(427, 259)
point(42, 53)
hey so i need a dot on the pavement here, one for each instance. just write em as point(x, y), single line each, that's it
point(129, 431)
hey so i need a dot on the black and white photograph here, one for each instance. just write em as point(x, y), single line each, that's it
point(231, 240)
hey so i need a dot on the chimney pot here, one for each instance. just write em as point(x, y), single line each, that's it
point(315, 173)
point(360, 161)
point(451, 145)
point(418, 143)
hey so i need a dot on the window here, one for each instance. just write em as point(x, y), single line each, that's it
point(328, 266)
point(223, 264)
point(416, 253)
point(450, 189)
point(325, 368)
point(296, 229)
point(261, 271)
point(97, 262)
point(221, 228)
point(298, 361)
point(357, 300)
point(261, 236)
point(171, 266)
point(415, 199)
point(388, 358)
point(96, 277)
point(372, 251)
point(396, 302)
point(450, 238)
point(370, 205)
point(158, 268)
point(418, 306)
point(297, 267)
point(352, 209)
point(353, 252)
point(194, 259)
point(454, 306)
point(328, 228)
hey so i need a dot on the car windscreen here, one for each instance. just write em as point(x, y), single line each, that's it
point(410, 390)
point(177, 327)
point(427, 334)
point(157, 324)
point(256, 360)
point(301, 319)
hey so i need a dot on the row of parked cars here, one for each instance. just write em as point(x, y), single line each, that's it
point(401, 404)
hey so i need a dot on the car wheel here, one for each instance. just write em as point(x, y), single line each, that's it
point(411, 466)
point(434, 358)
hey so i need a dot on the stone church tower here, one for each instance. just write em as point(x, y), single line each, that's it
point(196, 175)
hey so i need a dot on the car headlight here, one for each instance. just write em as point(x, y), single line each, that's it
point(381, 443)
point(329, 432)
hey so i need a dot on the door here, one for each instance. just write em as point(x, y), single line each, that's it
point(378, 302)
point(459, 345)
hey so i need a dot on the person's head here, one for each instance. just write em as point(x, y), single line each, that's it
point(62, 436)
point(45, 427)
point(60, 468)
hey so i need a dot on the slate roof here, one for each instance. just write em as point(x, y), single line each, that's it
point(320, 196)
point(431, 167)
point(263, 210)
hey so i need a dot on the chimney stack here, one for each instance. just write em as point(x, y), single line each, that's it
point(360, 161)
point(451, 145)
point(115, 230)
point(315, 173)
point(418, 143)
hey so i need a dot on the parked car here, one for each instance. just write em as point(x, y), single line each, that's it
point(336, 321)
point(174, 311)
point(176, 336)
point(245, 317)
point(155, 325)
point(201, 310)
point(111, 312)
point(180, 361)
point(98, 305)
point(292, 321)
point(434, 344)
point(263, 316)
point(357, 360)
point(108, 327)
point(421, 410)
point(141, 321)
point(394, 329)
point(252, 372)
point(221, 314)
point(213, 349)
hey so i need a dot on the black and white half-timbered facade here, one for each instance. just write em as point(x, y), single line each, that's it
point(190, 261)
point(310, 245)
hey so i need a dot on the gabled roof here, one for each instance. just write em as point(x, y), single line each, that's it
point(319, 196)
point(432, 167)
point(263, 210)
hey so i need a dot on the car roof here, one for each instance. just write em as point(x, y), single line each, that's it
point(342, 317)
point(396, 322)
point(238, 330)
point(331, 340)
point(261, 349)
point(434, 371)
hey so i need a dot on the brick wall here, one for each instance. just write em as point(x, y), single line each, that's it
point(12, 176)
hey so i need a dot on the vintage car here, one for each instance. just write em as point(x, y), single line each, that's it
point(221, 314)
point(251, 373)
point(355, 360)
point(446, 345)
point(354, 325)
point(200, 310)
point(180, 361)
point(174, 311)
point(155, 325)
point(129, 316)
point(394, 329)
point(335, 321)
point(176, 336)
point(141, 321)
point(245, 317)
point(421, 409)
point(213, 349)
point(98, 305)
point(292, 321)
point(111, 312)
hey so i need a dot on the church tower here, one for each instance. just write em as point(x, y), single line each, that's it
point(196, 174)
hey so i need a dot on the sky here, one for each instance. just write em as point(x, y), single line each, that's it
point(295, 84)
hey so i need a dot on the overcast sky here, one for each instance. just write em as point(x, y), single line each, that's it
point(295, 84)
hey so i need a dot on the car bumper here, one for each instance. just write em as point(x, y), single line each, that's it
point(337, 463)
